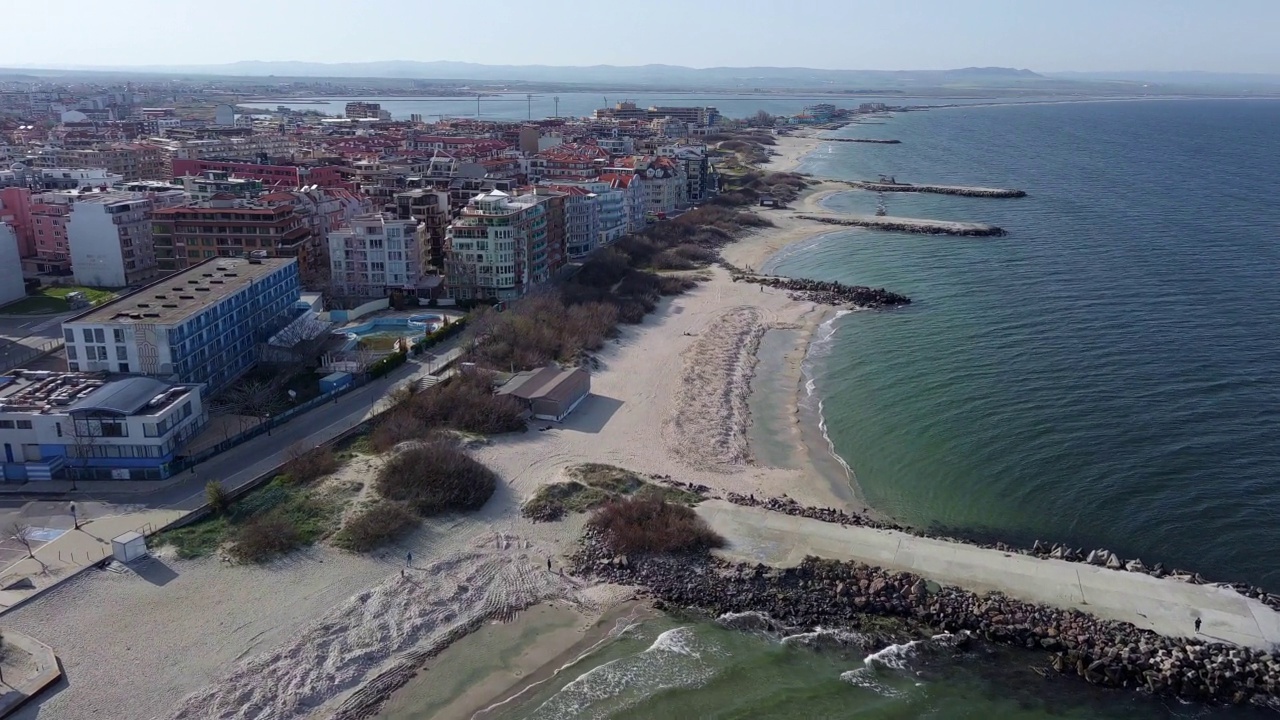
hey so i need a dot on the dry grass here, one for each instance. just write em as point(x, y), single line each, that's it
point(653, 525)
point(375, 525)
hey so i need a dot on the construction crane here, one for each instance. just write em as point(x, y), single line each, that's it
point(557, 101)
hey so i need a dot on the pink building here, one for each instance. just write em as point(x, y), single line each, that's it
point(49, 231)
point(286, 177)
point(15, 209)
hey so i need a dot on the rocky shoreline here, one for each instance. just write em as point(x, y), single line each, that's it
point(910, 225)
point(828, 292)
point(935, 189)
point(863, 140)
point(833, 594)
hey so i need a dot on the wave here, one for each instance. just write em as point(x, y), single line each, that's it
point(819, 348)
point(821, 638)
point(750, 621)
point(673, 660)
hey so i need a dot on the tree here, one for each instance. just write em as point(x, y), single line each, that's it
point(251, 398)
point(22, 533)
point(761, 119)
point(84, 444)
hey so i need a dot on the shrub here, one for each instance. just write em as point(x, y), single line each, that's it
point(397, 426)
point(436, 478)
point(464, 402)
point(553, 501)
point(386, 364)
point(653, 525)
point(304, 466)
point(263, 537)
point(606, 477)
point(216, 496)
point(374, 526)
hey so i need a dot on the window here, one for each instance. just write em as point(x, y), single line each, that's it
point(122, 353)
point(58, 427)
point(99, 336)
point(6, 424)
point(73, 367)
point(119, 336)
point(88, 335)
point(24, 424)
point(69, 335)
point(71, 352)
point(124, 367)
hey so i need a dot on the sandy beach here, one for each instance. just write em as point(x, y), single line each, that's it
point(324, 633)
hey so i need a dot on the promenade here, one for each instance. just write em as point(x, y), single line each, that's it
point(1168, 607)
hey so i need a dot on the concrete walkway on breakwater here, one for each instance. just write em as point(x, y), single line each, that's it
point(917, 226)
point(1168, 607)
point(936, 189)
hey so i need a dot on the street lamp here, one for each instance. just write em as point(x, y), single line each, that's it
point(74, 519)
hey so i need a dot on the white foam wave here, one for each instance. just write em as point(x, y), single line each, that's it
point(673, 660)
point(822, 637)
point(866, 678)
point(821, 347)
point(749, 621)
point(893, 656)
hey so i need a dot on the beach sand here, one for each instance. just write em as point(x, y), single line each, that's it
point(323, 633)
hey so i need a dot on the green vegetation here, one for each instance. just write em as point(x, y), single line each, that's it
point(640, 525)
point(50, 300)
point(384, 365)
point(274, 519)
point(595, 484)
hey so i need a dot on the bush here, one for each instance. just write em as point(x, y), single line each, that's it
point(653, 525)
point(553, 501)
point(436, 478)
point(304, 466)
point(374, 526)
point(217, 497)
point(262, 538)
point(464, 402)
point(544, 327)
point(386, 364)
point(395, 427)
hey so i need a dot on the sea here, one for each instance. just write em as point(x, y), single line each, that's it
point(1106, 375)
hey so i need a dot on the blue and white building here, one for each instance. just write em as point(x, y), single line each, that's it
point(92, 427)
point(200, 326)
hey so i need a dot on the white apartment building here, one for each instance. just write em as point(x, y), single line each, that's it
point(93, 427)
point(497, 249)
point(376, 254)
point(109, 237)
point(76, 178)
point(11, 286)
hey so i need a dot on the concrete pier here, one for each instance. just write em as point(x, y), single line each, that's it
point(1165, 606)
point(908, 225)
point(876, 186)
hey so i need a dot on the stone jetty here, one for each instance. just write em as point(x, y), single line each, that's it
point(827, 292)
point(909, 225)
point(986, 192)
point(835, 594)
point(863, 140)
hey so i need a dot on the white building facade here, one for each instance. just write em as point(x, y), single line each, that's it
point(375, 255)
point(11, 285)
point(109, 239)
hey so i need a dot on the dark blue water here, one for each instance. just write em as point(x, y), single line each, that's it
point(1109, 373)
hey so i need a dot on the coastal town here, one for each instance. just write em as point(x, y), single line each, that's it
point(292, 403)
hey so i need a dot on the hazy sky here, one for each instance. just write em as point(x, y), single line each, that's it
point(1043, 35)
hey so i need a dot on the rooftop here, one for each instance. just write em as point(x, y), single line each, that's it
point(43, 391)
point(178, 297)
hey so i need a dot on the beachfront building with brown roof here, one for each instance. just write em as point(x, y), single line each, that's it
point(227, 226)
point(550, 393)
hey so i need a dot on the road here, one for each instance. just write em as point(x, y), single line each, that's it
point(1166, 606)
point(20, 333)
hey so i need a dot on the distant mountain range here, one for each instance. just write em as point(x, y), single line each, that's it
point(673, 77)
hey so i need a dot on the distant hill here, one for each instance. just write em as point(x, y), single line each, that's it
point(636, 75)
point(1233, 81)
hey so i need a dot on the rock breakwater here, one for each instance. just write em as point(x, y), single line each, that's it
point(936, 189)
point(863, 140)
point(827, 593)
point(828, 292)
point(910, 225)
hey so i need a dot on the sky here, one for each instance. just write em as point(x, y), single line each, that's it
point(1041, 35)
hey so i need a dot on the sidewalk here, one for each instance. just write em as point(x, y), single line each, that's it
point(71, 552)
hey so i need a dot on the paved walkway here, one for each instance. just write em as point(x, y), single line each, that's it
point(72, 551)
point(1168, 607)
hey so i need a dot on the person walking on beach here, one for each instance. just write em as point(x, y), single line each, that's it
point(1197, 626)
point(548, 564)
point(408, 559)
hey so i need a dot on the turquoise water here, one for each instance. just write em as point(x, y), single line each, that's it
point(1108, 373)
point(667, 668)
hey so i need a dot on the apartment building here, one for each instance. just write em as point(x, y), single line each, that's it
point(197, 326)
point(581, 218)
point(11, 285)
point(204, 186)
point(430, 207)
point(375, 255)
point(365, 110)
point(94, 427)
point(109, 239)
point(131, 161)
point(15, 209)
point(281, 176)
point(226, 226)
point(497, 248)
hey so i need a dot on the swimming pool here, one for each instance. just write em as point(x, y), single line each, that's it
point(412, 327)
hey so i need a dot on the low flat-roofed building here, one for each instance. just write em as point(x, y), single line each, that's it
point(550, 392)
point(93, 426)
